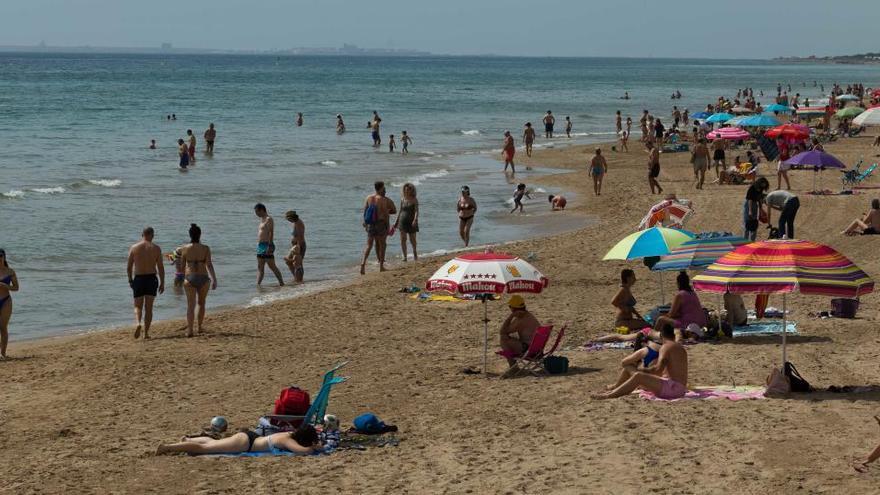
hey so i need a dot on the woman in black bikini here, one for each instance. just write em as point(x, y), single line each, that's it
point(8, 284)
point(304, 440)
point(467, 208)
point(197, 281)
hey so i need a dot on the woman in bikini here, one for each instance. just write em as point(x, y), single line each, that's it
point(627, 316)
point(199, 277)
point(467, 208)
point(8, 284)
point(304, 440)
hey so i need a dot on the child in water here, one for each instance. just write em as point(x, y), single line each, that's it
point(391, 144)
point(152, 144)
point(518, 196)
point(405, 141)
point(177, 260)
point(294, 261)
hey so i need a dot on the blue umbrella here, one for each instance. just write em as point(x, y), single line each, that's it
point(760, 121)
point(719, 118)
point(701, 115)
point(776, 107)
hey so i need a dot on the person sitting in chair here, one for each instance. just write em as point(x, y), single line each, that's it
point(666, 377)
point(518, 329)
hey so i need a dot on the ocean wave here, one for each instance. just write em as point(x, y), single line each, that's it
point(48, 190)
point(328, 163)
point(14, 194)
point(106, 182)
point(418, 179)
point(472, 132)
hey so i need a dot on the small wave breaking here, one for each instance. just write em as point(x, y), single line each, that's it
point(48, 190)
point(328, 163)
point(14, 194)
point(472, 132)
point(105, 182)
point(418, 179)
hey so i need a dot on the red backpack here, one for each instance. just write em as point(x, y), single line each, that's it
point(293, 401)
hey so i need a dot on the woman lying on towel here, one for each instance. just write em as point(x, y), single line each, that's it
point(302, 441)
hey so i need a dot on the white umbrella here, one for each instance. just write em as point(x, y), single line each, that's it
point(870, 116)
point(485, 274)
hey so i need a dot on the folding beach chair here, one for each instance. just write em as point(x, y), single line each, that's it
point(532, 361)
point(316, 411)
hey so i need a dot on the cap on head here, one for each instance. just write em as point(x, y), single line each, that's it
point(517, 302)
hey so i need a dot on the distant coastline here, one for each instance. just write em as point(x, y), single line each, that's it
point(345, 50)
point(858, 59)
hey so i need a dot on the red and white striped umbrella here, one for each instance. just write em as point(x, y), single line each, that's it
point(729, 133)
point(487, 273)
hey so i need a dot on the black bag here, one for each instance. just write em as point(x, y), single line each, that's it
point(556, 365)
point(798, 384)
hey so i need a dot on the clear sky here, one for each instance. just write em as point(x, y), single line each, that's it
point(632, 28)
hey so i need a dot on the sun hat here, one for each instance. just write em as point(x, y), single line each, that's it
point(517, 302)
point(291, 215)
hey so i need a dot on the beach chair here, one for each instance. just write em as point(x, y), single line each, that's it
point(316, 411)
point(532, 361)
point(867, 173)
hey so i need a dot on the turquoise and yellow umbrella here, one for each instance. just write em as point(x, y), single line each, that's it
point(656, 241)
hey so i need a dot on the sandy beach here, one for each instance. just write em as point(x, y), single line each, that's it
point(84, 414)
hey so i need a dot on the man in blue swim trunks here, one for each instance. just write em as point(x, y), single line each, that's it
point(266, 244)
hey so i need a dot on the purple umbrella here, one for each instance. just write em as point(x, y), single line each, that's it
point(814, 160)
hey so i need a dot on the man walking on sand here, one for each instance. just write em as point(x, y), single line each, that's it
point(377, 218)
point(144, 262)
point(266, 244)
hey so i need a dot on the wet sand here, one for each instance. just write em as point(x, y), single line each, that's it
point(85, 414)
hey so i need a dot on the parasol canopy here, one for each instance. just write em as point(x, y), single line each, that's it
point(811, 111)
point(729, 134)
point(701, 115)
point(760, 121)
point(668, 213)
point(719, 118)
point(656, 241)
point(848, 112)
point(699, 252)
point(868, 117)
point(777, 107)
point(790, 131)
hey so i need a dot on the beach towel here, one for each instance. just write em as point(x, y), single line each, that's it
point(268, 453)
point(764, 327)
point(425, 297)
point(717, 392)
point(598, 346)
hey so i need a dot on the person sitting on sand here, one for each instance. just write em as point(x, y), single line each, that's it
point(666, 378)
point(862, 466)
point(304, 440)
point(557, 202)
point(627, 316)
point(686, 310)
point(646, 353)
point(867, 225)
point(737, 315)
point(518, 329)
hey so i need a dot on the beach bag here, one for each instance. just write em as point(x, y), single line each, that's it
point(795, 380)
point(777, 383)
point(844, 308)
point(293, 401)
point(371, 213)
point(368, 423)
point(556, 365)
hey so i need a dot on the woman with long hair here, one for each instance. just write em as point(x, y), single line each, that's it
point(304, 440)
point(199, 277)
point(8, 284)
point(408, 219)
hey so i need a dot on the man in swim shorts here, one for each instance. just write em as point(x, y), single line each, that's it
point(144, 262)
point(379, 210)
point(266, 244)
point(666, 378)
point(549, 121)
point(518, 329)
point(210, 135)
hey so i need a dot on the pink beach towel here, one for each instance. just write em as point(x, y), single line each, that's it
point(720, 392)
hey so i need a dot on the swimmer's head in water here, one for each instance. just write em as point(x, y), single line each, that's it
point(148, 233)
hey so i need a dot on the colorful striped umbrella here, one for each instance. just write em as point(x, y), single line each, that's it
point(698, 253)
point(729, 134)
point(656, 241)
point(869, 117)
point(811, 111)
point(784, 266)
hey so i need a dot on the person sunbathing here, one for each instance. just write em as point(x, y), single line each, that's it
point(302, 441)
point(867, 225)
point(518, 329)
point(666, 377)
point(646, 352)
point(862, 466)
point(686, 310)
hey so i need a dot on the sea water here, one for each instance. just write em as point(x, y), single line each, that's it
point(78, 182)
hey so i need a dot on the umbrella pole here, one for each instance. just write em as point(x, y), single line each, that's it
point(662, 292)
point(784, 325)
point(485, 333)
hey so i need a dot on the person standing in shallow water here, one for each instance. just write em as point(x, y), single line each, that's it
point(598, 169)
point(528, 138)
point(549, 121)
point(8, 284)
point(298, 238)
point(266, 244)
point(146, 277)
point(467, 209)
point(210, 135)
point(508, 151)
point(408, 219)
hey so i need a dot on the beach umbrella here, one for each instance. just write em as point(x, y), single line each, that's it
point(652, 242)
point(868, 117)
point(848, 112)
point(760, 121)
point(782, 267)
point(776, 107)
point(736, 120)
point(814, 160)
point(739, 110)
point(484, 275)
point(790, 131)
point(729, 134)
point(701, 115)
point(807, 111)
point(699, 252)
point(670, 213)
point(717, 118)
point(848, 98)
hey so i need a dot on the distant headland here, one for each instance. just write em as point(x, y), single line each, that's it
point(345, 50)
point(861, 58)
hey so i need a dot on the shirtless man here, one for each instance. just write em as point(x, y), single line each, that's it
point(377, 225)
point(518, 329)
point(144, 262)
point(210, 135)
point(191, 142)
point(374, 125)
point(666, 377)
point(549, 121)
point(618, 122)
point(528, 138)
point(266, 244)
point(643, 123)
point(653, 168)
point(508, 151)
